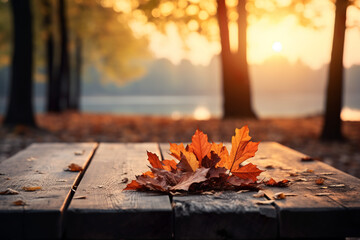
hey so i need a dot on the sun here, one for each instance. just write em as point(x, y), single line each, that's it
point(277, 46)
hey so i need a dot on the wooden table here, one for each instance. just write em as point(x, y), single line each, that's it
point(92, 205)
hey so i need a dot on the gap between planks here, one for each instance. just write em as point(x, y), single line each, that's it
point(77, 181)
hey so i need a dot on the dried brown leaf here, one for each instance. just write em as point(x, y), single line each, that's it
point(73, 167)
point(80, 197)
point(273, 183)
point(259, 194)
point(319, 181)
point(9, 191)
point(266, 202)
point(279, 195)
point(19, 203)
point(31, 189)
point(337, 185)
point(323, 194)
point(189, 178)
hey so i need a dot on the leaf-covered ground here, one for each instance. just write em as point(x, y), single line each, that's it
point(298, 133)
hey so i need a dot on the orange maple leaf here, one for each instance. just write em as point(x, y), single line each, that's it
point(176, 150)
point(200, 145)
point(223, 153)
point(169, 165)
point(134, 185)
point(188, 162)
point(242, 148)
point(154, 160)
point(249, 171)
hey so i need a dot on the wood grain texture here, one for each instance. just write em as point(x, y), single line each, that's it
point(226, 215)
point(308, 215)
point(39, 165)
point(108, 212)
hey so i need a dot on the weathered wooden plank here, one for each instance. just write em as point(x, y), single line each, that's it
point(108, 212)
point(39, 165)
point(309, 215)
point(226, 215)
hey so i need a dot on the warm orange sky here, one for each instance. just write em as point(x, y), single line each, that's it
point(313, 47)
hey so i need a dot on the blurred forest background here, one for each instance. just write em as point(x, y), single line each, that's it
point(155, 70)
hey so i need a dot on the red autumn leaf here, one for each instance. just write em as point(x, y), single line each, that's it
point(134, 185)
point(189, 178)
point(223, 153)
point(154, 160)
point(188, 162)
point(176, 150)
point(200, 145)
point(249, 171)
point(272, 183)
point(149, 173)
point(242, 148)
point(169, 165)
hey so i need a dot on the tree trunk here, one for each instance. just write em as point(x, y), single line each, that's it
point(53, 86)
point(76, 84)
point(20, 109)
point(332, 119)
point(236, 85)
point(64, 71)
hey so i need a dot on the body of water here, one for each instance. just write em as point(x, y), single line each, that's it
point(203, 107)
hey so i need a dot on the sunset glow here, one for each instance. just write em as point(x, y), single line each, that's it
point(310, 46)
point(277, 46)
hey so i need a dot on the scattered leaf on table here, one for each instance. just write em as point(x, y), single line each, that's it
point(307, 159)
point(80, 197)
point(79, 153)
point(208, 193)
point(327, 173)
point(9, 191)
point(290, 195)
point(30, 159)
point(31, 189)
point(124, 180)
point(73, 167)
point(293, 174)
point(308, 171)
point(323, 194)
point(300, 180)
point(269, 167)
point(279, 195)
point(243, 191)
point(319, 181)
point(259, 194)
point(265, 202)
point(19, 203)
point(337, 185)
point(273, 183)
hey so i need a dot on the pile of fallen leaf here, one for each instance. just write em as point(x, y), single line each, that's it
point(203, 166)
